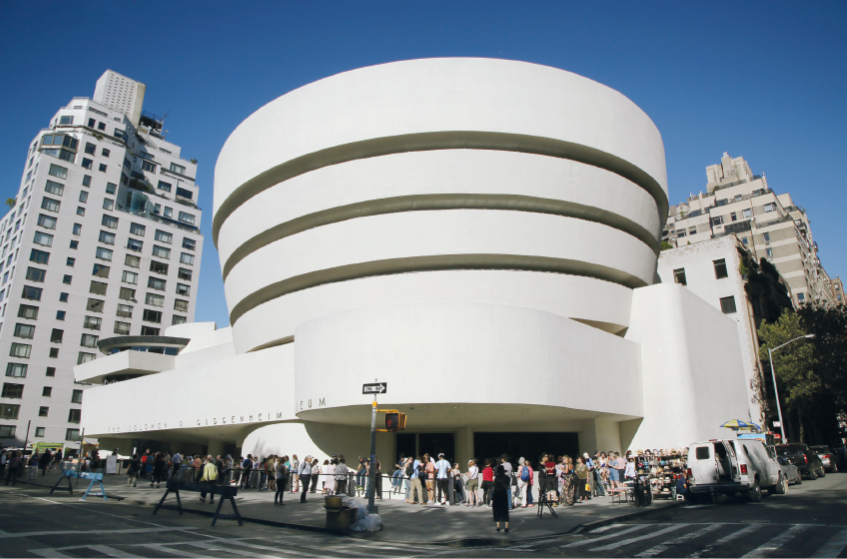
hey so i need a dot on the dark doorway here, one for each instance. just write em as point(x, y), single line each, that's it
point(435, 443)
point(405, 445)
point(529, 445)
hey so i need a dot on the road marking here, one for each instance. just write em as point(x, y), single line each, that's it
point(676, 541)
point(726, 539)
point(166, 550)
point(616, 545)
point(112, 552)
point(236, 552)
point(776, 542)
point(244, 553)
point(615, 535)
point(834, 546)
point(49, 552)
point(96, 532)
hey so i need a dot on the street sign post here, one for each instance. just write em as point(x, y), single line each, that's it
point(375, 388)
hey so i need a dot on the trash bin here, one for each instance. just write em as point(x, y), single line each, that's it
point(338, 517)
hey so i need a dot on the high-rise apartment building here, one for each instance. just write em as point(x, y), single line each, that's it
point(103, 240)
point(771, 226)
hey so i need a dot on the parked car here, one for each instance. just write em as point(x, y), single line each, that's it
point(789, 471)
point(827, 456)
point(804, 458)
point(734, 466)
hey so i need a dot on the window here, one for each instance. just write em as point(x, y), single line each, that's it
point(161, 252)
point(9, 411)
point(105, 152)
point(164, 237)
point(692, 231)
point(108, 204)
point(76, 397)
point(182, 289)
point(148, 166)
point(158, 267)
point(733, 216)
point(47, 391)
point(767, 237)
point(184, 274)
point(43, 411)
point(107, 238)
point(90, 148)
point(77, 230)
point(189, 244)
point(92, 123)
point(56, 336)
point(28, 311)
point(124, 311)
point(46, 221)
point(12, 390)
point(134, 245)
point(39, 256)
point(67, 279)
point(184, 193)
point(85, 357)
point(177, 168)
point(20, 350)
point(60, 315)
point(801, 297)
point(86, 163)
point(54, 188)
point(132, 261)
point(169, 212)
point(95, 305)
point(186, 217)
point(679, 276)
point(101, 271)
point(166, 186)
point(63, 297)
point(101, 126)
point(54, 352)
point(716, 221)
point(102, 168)
point(180, 305)
point(92, 322)
point(88, 340)
point(680, 233)
point(186, 258)
point(152, 316)
point(156, 283)
point(32, 293)
point(122, 328)
point(58, 171)
point(104, 254)
point(127, 294)
point(111, 188)
point(43, 239)
point(137, 229)
point(50, 204)
point(86, 180)
point(39, 432)
point(98, 287)
point(720, 268)
point(149, 331)
point(728, 305)
point(110, 222)
point(154, 300)
point(130, 277)
point(17, 370)
point(67, 119)
point(770, 207)
point(72, 435)
point(178, 319)
point(35, 274)
point(747, 213)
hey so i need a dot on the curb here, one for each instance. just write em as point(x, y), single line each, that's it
point(588, 526)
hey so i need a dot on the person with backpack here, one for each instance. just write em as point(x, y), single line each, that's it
point(418, 495)
point(132, 471)
point(247, 466)
point(523, 476)
point(472, 484)
point(341, 475)
point(408, 470)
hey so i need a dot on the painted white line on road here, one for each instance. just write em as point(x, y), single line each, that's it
point(602, 529)
point(236, 552)
point(680, 540)
point(623, 543)
point(166, 550)
point(49, 552)
point(776, 542)
point(280, 549)
point(112, 552)
point(94, 532)
point(834, 546)
point(601, 538)
point(726, 539)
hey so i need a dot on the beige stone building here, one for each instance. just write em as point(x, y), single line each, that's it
point(770, 225)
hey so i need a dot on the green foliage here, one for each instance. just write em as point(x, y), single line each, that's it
point(11, 202)
point(666, 245)
point(829, 325)
point(742, 269)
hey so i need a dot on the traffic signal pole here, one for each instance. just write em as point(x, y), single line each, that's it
point(372, 508)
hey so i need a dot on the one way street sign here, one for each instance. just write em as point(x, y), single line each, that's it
point(375, 388)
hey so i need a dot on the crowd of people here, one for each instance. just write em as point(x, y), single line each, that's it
point(14, 464)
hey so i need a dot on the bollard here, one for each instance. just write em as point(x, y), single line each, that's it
point(351, 485)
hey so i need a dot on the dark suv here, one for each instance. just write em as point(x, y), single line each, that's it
point(806, 459)
point(827, 456)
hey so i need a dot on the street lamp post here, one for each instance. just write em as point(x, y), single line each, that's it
point(775, 389)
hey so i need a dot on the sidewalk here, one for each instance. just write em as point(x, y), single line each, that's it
point(404, 523)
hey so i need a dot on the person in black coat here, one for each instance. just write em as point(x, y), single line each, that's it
point(500, 498)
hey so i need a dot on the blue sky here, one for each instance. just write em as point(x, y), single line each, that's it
point(762, 80)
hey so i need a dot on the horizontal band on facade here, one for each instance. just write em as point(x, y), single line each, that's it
point(433, 202)
point(433, 141)
point(433, 263)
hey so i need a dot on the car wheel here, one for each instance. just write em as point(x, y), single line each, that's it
point(823, 472)
point(799, 479)
point(781, 486)
point(813, 475)
point(755, 493)
point(835, 469)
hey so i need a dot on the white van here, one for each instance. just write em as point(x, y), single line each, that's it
point(734, 466)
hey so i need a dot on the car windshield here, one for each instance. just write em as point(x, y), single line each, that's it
point(821, 449)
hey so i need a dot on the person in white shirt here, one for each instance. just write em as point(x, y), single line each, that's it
point(305, 475)
point(442, 479)
point(473, 484)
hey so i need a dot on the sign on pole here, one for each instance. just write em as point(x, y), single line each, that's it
point(375, 388)
point(777, 424)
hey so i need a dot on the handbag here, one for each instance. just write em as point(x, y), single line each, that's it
point(588, 487)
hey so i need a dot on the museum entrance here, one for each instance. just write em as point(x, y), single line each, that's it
point(529, 445)
point(413, 444)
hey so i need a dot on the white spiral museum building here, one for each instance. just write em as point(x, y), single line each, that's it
point(480, 234)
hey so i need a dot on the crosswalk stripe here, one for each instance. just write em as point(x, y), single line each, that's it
point(236, 552)
point(112, 552)
point(777, 542)
point(676, 541)
point(834, 546)
point(167, 550)
point(615, 535)
point(622, 543)
point(49, 552)
point(274, 549)
point(726, 539)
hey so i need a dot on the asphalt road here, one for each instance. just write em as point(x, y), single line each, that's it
point(810, 521)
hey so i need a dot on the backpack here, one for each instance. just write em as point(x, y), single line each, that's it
point(524, 474)
point(409, 470)
point(422, 471)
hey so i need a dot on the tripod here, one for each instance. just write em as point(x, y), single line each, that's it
point(544, 501)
